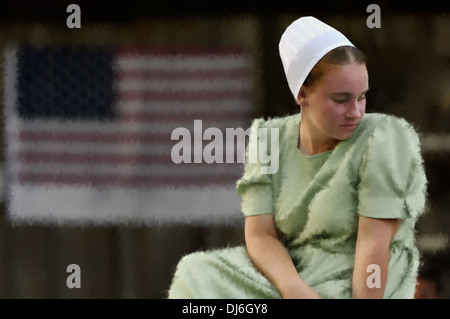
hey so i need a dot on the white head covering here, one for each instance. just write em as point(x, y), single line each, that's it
point(303, 44)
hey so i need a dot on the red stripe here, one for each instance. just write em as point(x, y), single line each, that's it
point(124, 181)
point(184, 53)
point(133, 95)
point(176, 75)
point(27, 157)
point(142, 116)
point(29, 135)
point(92, 158)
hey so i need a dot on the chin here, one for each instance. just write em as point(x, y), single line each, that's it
point(345, 136)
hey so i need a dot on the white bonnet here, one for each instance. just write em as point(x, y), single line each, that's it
point(303, 44)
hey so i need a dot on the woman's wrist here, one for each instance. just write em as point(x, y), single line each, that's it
point(297, 289)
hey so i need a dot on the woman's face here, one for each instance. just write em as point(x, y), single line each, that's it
point(336, 104)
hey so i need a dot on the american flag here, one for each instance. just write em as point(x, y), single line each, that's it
point(89, 133)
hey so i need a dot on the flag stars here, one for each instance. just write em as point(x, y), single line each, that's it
point(72, 83)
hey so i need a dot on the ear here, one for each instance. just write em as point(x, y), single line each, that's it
point(302, 97)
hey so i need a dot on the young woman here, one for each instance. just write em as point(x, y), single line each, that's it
point(337, 218)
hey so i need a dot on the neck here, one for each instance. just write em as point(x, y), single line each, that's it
point(310, 144)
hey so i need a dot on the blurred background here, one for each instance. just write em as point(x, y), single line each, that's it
point(133, 254)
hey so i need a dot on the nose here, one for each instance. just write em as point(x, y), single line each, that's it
point(354, 109)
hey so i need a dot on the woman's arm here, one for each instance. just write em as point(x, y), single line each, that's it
point(372, 248)
point(272, 258)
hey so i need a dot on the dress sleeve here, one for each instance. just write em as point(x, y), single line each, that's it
point(392, 176)
point(255, 187)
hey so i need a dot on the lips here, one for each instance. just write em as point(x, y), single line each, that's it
point(350, 126)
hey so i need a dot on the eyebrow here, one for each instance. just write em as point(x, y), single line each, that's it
point(348, 93)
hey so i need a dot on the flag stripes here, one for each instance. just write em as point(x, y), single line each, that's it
point(60, 143)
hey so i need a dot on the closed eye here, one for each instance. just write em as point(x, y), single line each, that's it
point(344, 97)
point(339, 101)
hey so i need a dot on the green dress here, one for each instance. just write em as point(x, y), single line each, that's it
point(316, 201)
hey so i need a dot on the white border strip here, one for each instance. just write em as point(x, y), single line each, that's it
point(212, 205)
